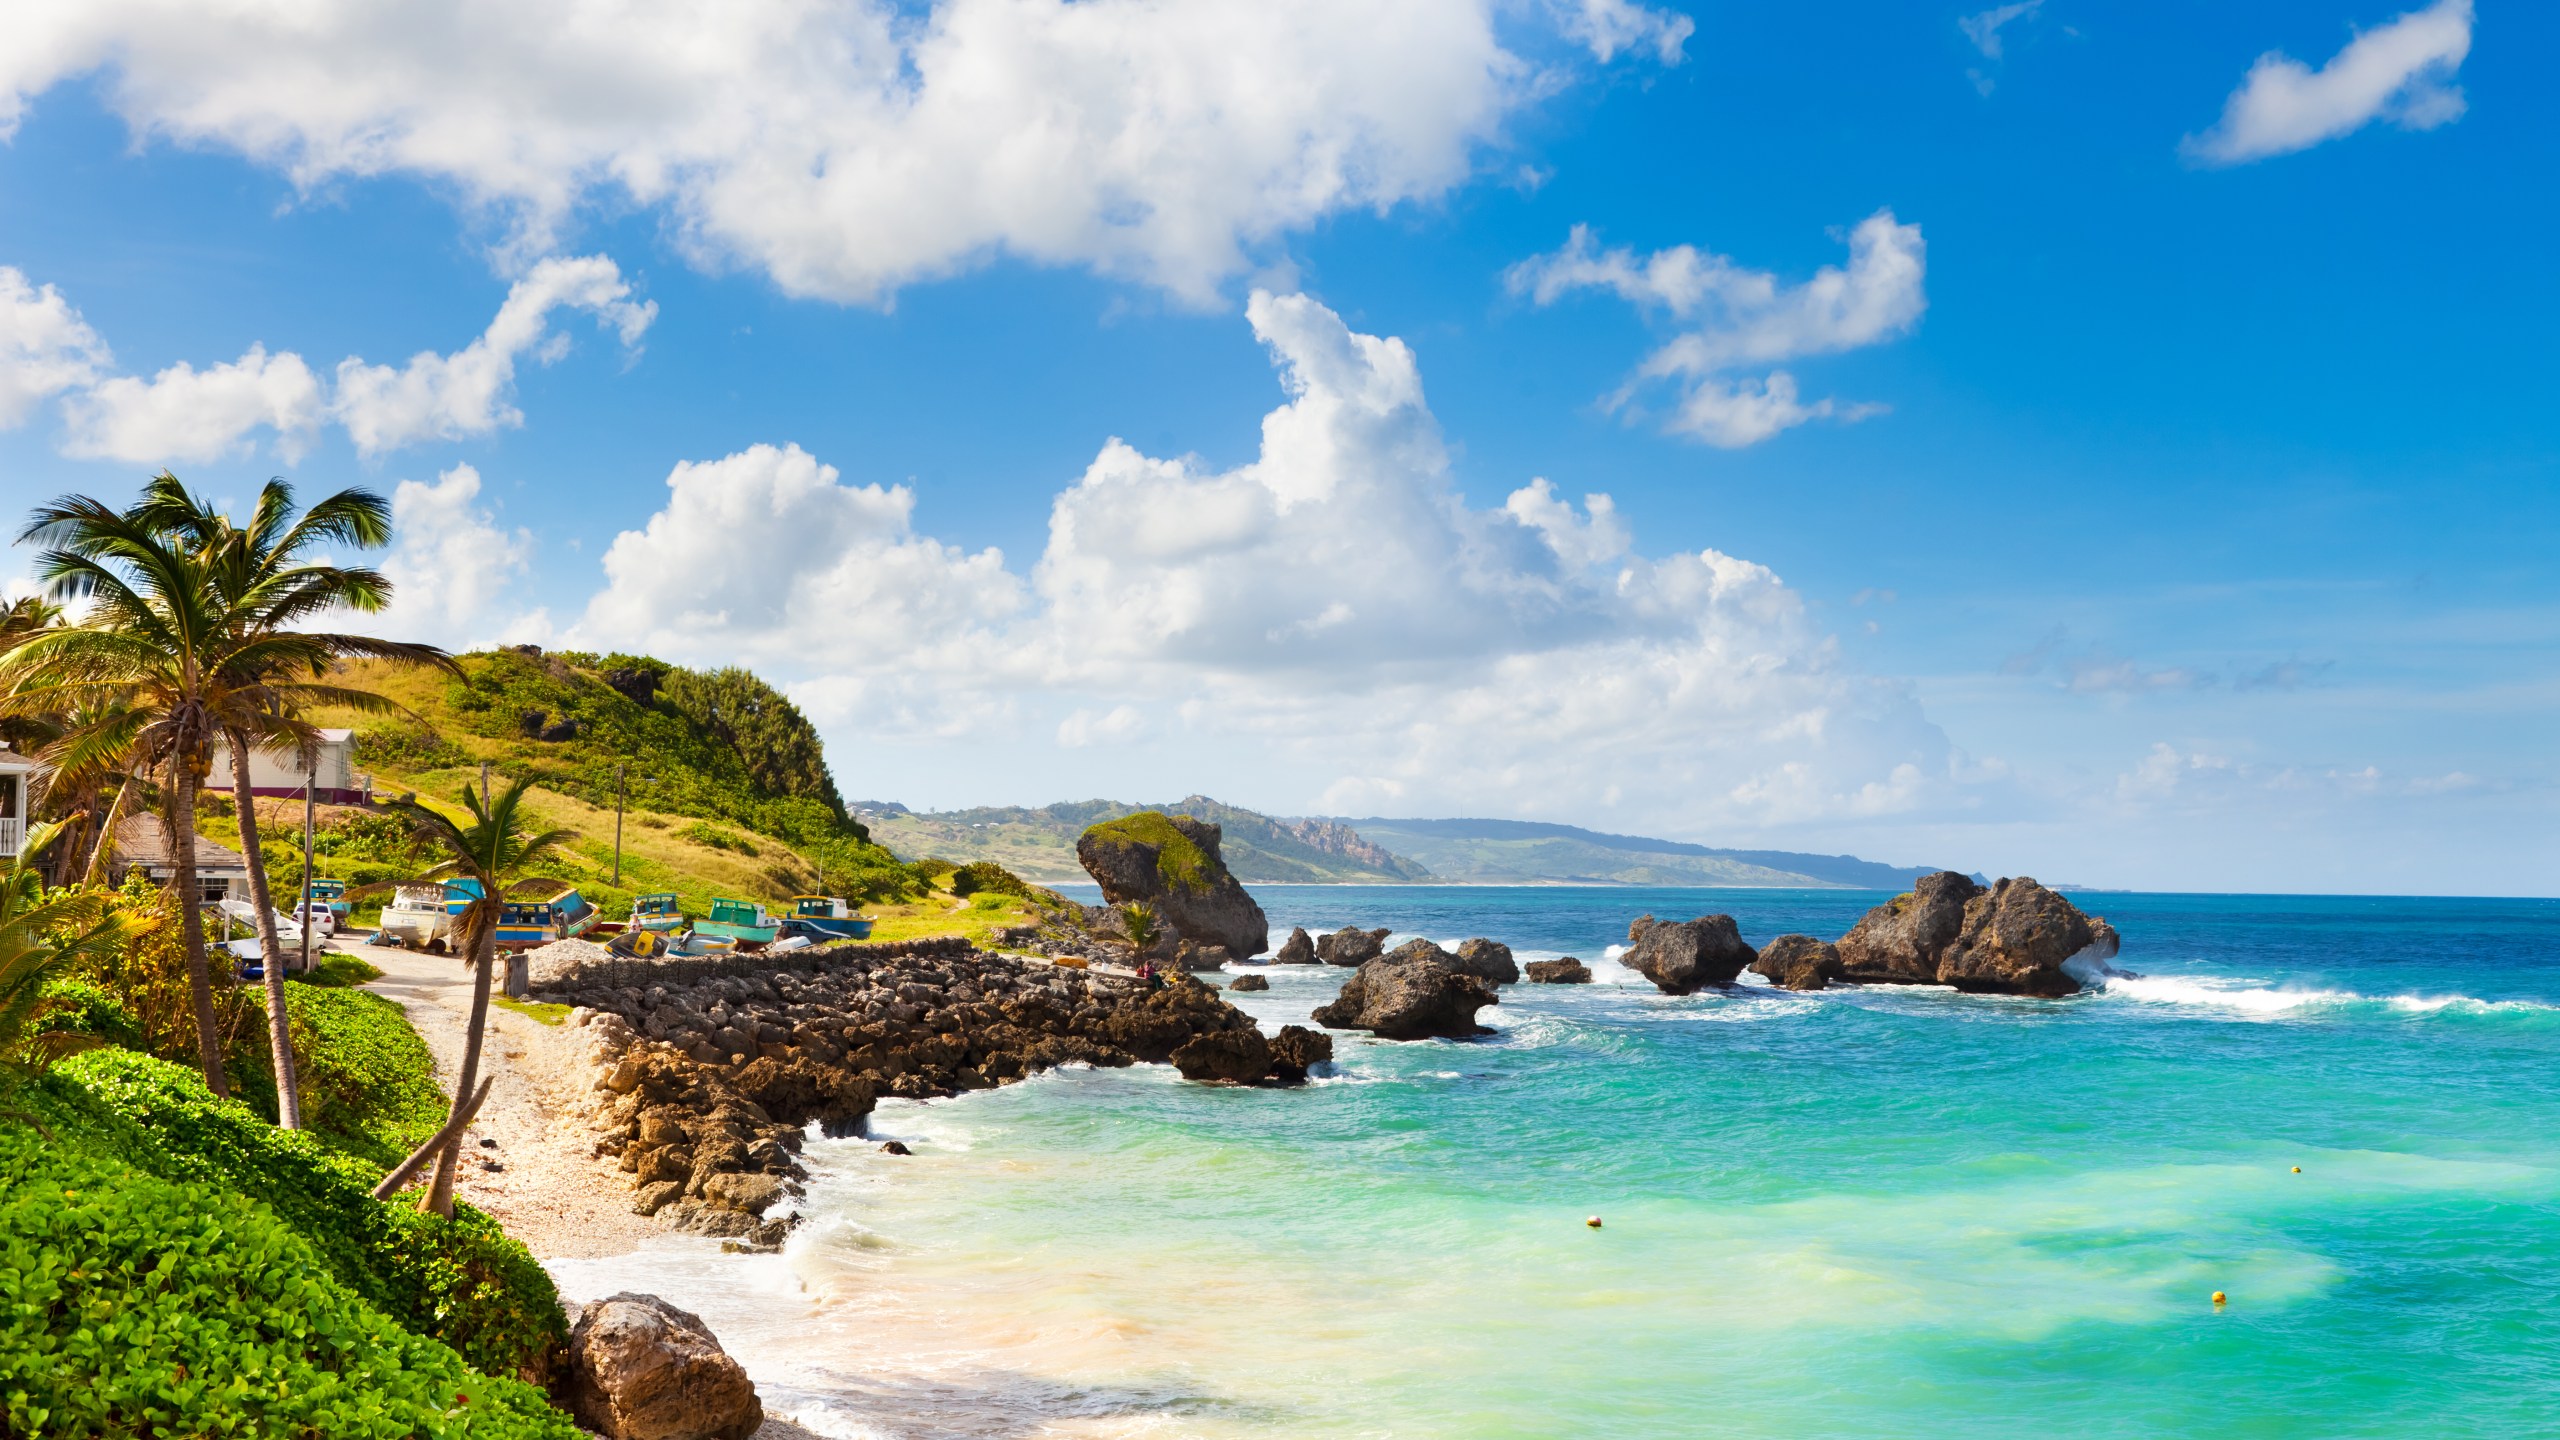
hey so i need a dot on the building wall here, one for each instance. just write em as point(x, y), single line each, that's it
point(280, 773)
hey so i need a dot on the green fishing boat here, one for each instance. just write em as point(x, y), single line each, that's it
point(741, 920)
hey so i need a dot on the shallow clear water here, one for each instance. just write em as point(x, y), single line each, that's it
point(1878, 1212)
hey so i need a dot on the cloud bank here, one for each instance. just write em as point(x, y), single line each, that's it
point(1741, 319)
point(1334, 607)
point(2402, 72)
point(847, 149)
point(183, 414)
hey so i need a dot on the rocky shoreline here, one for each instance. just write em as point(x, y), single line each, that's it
point(704, 1082)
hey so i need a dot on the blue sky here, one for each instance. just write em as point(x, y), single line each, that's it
point(2179, 518)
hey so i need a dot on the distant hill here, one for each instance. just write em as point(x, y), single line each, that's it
point(1040, 844)
point(1523, 852)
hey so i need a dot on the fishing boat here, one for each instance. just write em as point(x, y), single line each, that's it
point(693, 943)
point(523, 924)
point(661, 913)
point(331, 895)
point(743, 921)
point(830, 917)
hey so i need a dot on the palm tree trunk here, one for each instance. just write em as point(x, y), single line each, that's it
point(182, 854)
point(279, 1024)
point(484, 958)
point(103, 853)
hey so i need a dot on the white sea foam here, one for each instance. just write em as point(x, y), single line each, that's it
point(2249, 998)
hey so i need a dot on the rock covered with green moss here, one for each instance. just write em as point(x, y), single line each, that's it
point(1171, 864)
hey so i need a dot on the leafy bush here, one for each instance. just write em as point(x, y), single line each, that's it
point(407, 748)
point(717, 838)
point(460, 1281)
point(368, 1083)
point(134, 1305)
point(76, 1005)
point(987, 875)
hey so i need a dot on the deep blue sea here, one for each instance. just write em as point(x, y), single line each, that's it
point(1864, 1212)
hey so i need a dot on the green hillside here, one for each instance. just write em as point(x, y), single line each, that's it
point(1520, 852)
point(729, 788)
point(1040, 844)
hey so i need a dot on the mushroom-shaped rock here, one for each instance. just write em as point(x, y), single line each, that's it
point(1901, 941)
point(1351, 946)
point(1489, 961)
point(2016, 937)
point(1417, 993)
point(641, 1369)
point(1298, 949)
point(1686, 956)
point(1172, 863)
point(1567, 971)
point(1798, 962)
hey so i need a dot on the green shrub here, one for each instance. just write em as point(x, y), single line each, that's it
point(717, 838)
point(987, 875)
point(77, 1005)
point(368, 1083)
point(133, 1305)
point(461, 1281)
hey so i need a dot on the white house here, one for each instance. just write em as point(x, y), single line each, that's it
point(335, 779)
point(17, 775)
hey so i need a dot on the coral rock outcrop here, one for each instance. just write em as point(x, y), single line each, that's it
point(1171, 862)
point(1799, 962)
point(1417, 993)
point(1681, 957)
point(641, 1369)
point(1567, 971)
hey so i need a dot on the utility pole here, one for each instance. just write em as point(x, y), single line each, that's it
point(485, 799)
point(310, 777)
point(620, 796)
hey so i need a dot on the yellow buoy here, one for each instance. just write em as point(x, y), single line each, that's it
point(2218, 1297)
point(1593, 1222)
point(2297, 1169)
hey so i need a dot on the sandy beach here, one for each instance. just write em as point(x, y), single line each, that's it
point(546, 1187)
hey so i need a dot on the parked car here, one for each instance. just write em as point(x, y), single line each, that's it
point(322, 920)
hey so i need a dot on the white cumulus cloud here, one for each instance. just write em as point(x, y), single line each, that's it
point(453, 567)
point(1742, 319)
point(446, 397)
point(1334, 610)
point(2402, 72)
point(184, 414)
point(45, 347)
point(847, 149)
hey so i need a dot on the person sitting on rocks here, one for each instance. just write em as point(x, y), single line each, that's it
point(1148, 976)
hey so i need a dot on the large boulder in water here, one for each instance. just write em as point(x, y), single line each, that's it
point(1417, 993)
point(1798, 962)
point(2015, 939)
point(1171, 862)
point(1686, 956)
point(641, 1369)
point(1351, 946)
point(1901, 941)
point(1296, 1050)
point(1238, 1057)
point(1567, 971)
point(1489, 961)
point(1296, 950)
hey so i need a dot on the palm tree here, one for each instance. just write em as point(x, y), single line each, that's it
point(267, 585)
point(40, 935)
point(493, 849)
point(179, 646)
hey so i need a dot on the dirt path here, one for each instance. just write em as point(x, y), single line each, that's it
point(545, 1190)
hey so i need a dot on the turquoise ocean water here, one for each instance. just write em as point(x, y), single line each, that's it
point(1866, 1212)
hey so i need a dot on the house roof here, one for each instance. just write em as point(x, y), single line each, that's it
point(13, 763)
point(142, 840)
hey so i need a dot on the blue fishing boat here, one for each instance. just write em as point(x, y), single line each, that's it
point(523, 924)
point(662, 913)
point(830, 917)
point(331, 895)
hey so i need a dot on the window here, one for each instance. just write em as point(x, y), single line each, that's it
point(212, 890)
point(9, 797)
